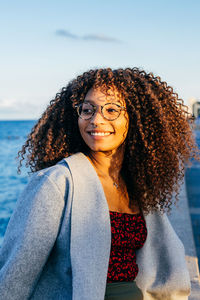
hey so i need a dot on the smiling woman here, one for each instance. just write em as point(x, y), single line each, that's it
point(108, 154)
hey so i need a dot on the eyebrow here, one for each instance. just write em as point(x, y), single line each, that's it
point(92, 101)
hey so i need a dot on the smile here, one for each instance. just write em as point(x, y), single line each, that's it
point(99, 133)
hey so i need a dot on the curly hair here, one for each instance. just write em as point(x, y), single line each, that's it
point(160, 139)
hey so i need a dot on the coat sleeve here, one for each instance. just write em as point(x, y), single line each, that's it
point(29, 238)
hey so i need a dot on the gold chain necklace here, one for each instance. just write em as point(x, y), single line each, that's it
point(115, 184)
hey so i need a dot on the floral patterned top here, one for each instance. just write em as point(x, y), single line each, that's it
point(129, 233)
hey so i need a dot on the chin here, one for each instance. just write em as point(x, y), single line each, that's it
point(101, 148)
point(95, 149)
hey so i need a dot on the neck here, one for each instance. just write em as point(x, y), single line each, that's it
point(108, 163)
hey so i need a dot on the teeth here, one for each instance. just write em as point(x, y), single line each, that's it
point(100, 133)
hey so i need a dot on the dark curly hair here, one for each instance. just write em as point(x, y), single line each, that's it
point(160, 139)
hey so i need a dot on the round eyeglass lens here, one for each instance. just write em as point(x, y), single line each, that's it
point(85, 110)
point(111, 111)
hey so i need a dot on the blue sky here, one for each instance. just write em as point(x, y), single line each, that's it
point(44, 44)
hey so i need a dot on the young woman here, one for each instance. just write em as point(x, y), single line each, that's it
point(108, 153)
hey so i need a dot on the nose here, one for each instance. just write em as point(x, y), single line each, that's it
point(97, 118)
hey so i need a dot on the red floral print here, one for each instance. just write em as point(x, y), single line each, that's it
point(129, 233)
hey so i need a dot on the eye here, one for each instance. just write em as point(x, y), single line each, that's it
point(86, 109)
point(110, 110)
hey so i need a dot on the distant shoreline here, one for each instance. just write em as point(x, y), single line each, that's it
point(18, 120)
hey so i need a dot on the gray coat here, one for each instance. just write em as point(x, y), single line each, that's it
point(57, 243)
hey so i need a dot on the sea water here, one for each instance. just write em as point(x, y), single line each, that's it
point(13, 134)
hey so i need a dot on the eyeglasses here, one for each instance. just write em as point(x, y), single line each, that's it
point(110, 111)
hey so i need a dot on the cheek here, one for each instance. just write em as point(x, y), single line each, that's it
point(81, 128)
point(126, 125)
point(124, 133)
point(124, 128)
point(80, 125)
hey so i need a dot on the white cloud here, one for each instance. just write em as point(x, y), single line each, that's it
point(12, 109)
point(6, 103)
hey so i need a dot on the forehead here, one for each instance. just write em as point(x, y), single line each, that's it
point(98, 96)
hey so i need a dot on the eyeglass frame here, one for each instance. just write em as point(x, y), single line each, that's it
point(122, 108)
